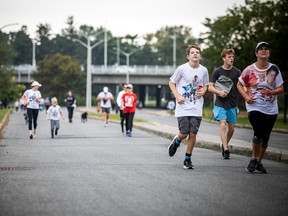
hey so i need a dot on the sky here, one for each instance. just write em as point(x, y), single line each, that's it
point(121, 17)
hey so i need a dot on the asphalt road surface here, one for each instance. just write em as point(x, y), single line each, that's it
point(89, 169)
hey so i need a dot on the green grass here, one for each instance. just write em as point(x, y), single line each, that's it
point(242, 118)
point(112, 116)
point(3, 113)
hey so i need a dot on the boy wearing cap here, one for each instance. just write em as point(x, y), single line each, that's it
point(188, 85)
point(128, 104)
point(105, 98)
point(259, 84)
point(31, 98)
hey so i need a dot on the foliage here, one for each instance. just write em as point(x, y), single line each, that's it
point(9, 91)
point(242, 28)
point(58, 72)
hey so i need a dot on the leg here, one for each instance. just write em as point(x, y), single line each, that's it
point(223, 134)
point(122, 120)
point(35, 117)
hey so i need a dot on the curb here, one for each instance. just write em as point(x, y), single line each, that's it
point(4, 122)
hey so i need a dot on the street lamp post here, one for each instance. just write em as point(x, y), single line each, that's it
point(89, 61)
point(10, 24)
point(127, 61)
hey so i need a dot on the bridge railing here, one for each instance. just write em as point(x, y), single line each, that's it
point(24, 73)
point(137, 69)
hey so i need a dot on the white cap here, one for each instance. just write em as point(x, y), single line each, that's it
point(130, 86)
point(105, 89)
point(35, 83)
point(260, 44)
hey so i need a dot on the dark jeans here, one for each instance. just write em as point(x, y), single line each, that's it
point(122, 119)
point(70, 112)
point(129, 121)
point(32, 116)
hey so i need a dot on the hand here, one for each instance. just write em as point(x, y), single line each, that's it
point(266, 91)
point(180, 99)
point(199, 94)
point(249, 99)
point(223, 94)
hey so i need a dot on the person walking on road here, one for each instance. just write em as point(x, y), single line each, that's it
point(188, 84)
point(259, 84)
point(225, 106)
point(54, 113)
point(71, 104)
point(119, 101)
point(105, 97)
point(31, 98)
point(128, 104)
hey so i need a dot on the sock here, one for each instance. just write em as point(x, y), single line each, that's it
point(188, 156)
point(177, 141)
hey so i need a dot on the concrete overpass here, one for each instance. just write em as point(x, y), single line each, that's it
point(142, 77)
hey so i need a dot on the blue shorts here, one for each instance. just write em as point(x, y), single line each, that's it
point(229, 115)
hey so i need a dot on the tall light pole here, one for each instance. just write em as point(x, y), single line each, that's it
point(89, 61)
point(174, 49)
point(127, 61)
point(10, 24)
point(34, 55)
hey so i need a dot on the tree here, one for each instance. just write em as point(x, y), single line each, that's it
point(58, 72)
point(164, 44)
point(22, 44)
point(243, 27)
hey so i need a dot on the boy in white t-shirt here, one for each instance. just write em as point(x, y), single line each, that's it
point(188, 84)
point(53, 114)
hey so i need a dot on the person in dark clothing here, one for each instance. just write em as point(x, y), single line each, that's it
point(71, 104)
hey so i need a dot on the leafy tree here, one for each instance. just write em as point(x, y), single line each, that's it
point(22, 44)
point(243, 27)
point(164, 44)
point(58, 72)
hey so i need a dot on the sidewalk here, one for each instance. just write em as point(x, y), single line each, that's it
point(204, 140)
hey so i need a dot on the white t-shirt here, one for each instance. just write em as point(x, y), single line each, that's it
point(188, 80)
point(119, 98)
point(31, 96)
point(105, 103)
point(255, 79)
point(54, 112)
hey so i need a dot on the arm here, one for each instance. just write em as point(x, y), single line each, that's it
point(179, 98)
point(201, 92)
point(212, 89)
point(242, 91)
point(276, 91)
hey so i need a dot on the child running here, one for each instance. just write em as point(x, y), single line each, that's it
point(53, 114)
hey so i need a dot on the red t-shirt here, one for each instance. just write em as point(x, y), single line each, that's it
point(129, 102)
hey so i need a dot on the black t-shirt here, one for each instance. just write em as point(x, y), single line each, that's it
point(70, 100)
point(231, 100)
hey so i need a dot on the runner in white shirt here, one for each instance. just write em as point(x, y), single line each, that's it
point(188, 85)
point(32, 99)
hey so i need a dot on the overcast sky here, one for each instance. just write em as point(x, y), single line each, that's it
point(121, 17)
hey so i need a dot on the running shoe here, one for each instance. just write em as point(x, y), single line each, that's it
point(252, 165)
point(260, 169)
point(188, 164)
point(172, 148)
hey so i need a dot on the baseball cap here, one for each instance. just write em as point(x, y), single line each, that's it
point(105, 89)
point(260, 44)
point(130, 86)
point(35, 83)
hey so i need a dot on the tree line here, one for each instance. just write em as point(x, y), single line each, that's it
point(241, 28)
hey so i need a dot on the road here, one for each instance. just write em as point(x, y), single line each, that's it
point(89, 169)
